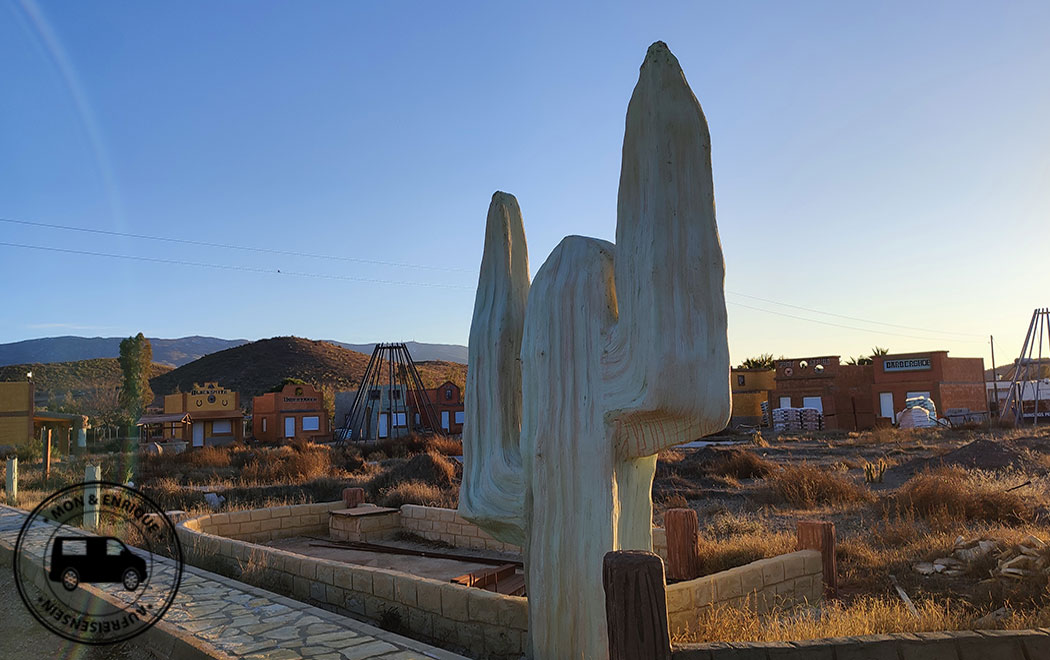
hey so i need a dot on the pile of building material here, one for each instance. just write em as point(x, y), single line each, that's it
point(919, 413)
point(1030, 559)
point(1027, 560)
point(797, 419)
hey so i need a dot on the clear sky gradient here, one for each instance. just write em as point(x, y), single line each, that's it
point(888, 162)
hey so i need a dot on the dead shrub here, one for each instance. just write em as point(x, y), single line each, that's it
point(288, 465)
point(808, 486)
point(208, 457)
point(416, 492)
point(741, 464)
point(948, 494)
point(431, 468)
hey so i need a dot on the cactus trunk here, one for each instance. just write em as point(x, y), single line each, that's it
point(623, 352)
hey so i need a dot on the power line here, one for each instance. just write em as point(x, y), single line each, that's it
point(270, 271)
point(246, 248)
point(854, 318)
point(248, 269)
point(839, 325)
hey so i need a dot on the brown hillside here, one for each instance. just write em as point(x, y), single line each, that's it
point(57, 378)
point(254, 368)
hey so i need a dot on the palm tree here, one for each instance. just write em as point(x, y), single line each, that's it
point(763, 361)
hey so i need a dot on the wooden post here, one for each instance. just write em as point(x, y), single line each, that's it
point(12, 481)
point(683, 538)
point(353, 497)
point(635, 605)
point(45, 441)
point(91, 473)
point(820, 535)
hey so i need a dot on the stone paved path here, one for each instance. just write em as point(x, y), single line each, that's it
point(246, 622)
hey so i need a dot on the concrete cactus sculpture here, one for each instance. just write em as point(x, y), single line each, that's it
point(613, 353)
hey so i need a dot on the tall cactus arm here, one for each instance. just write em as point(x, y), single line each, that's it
point(492, 494)
point(667, 361)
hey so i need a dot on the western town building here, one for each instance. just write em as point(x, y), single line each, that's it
point(297, 412)
point(855, 397)
point(21, 422)
point(208, 415)
point(750, 389)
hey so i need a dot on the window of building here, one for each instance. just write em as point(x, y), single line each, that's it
point(417, 419)
point(785, 402)
point(459, 416)
point(264, 425)
point(813, 402)
point(740, 380)
point(448, 394)
point(400, 419)
point(312, 423)
point(221, 427)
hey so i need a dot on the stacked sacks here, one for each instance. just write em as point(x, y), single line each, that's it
point(919, 413)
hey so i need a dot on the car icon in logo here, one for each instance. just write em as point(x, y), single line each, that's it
point(76, 559)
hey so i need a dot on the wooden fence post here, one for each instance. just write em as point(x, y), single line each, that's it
point(91, 473)
point(820, 535)
point(12, 481)
point(353, 497)
point(636, 605)
point(45, 440)
point(683, 538)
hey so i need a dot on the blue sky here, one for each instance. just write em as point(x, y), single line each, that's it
point(885, 161)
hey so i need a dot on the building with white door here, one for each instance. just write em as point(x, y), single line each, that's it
point(206, 416)
point(297, 412)
point(862, 396)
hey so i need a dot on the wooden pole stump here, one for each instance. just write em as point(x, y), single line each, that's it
point(11, 484)
point(683, 538)
point(92, 492)
point(636, 606)
point(820, 535)
point(353, 497)
point(45, 441)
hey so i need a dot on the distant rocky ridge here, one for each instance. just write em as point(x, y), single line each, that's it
point(177, 352)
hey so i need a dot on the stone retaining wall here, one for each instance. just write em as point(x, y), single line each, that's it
point(483, 623)
point(964, 645)
point(447, 526)
point(267, 524)
point(784, 580)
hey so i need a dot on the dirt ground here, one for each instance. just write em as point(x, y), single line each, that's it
point(429, 567)
point(24, 637)
point(874, 542)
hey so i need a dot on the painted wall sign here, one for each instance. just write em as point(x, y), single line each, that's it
point(910, 364)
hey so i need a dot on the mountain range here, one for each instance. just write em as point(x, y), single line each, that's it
point(180, 351)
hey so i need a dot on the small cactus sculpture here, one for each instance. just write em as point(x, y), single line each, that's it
point(875, 472)
point(613, 353)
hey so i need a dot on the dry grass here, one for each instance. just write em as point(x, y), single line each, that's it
point(871, 615)
point(741, 464)
point(808, 486)
point(951, 494)
point(417, 492)
point(290, 464)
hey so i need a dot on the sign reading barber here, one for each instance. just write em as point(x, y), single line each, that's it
point(907, 364)
point(102, 585)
